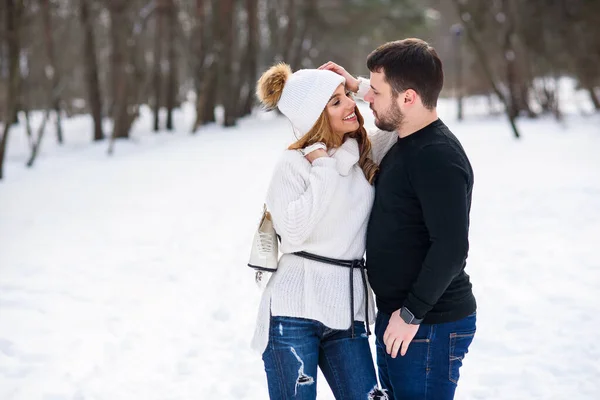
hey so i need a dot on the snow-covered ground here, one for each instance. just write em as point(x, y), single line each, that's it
point(124, 278)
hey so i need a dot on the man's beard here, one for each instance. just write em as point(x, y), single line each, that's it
point(391, 119)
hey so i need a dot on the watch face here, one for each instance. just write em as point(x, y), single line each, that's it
point(406, 315)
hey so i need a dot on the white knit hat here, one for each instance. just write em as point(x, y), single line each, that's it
point(305, 95)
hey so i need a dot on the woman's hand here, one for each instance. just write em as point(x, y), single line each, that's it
point(351, 82)
point(313, 155)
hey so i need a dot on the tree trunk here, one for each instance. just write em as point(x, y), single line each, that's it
point(308, 15)
point(524, 93)
point(51, 70)
point(36, 145)
point(211, 78)
point(510, 59)
point(594, 97)
point(250, 64)
point(458, 73)
point(209, 97)
point(119, 65)
point(91, 69)
point(200, 67)
point(513, 103)
point(172, 56)
point(518, 88)
point(290, 31)
point(28, 130)
point(158, 40)
point(556, 100)
point(274, 34)
point(227, 88)
point(13, 11)
point(472, 36)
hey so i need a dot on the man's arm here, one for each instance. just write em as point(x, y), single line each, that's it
point(441, 183)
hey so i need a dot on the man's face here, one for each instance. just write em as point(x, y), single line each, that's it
point(387, 112)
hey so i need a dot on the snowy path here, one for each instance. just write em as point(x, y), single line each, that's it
point(125, 278)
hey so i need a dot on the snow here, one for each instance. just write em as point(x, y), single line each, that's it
point(124, 277)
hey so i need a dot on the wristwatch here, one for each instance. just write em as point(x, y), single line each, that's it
point(409, 317)
point(313, 147)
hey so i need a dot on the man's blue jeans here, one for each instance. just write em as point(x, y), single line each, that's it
point(298, 346)
point(430, 368)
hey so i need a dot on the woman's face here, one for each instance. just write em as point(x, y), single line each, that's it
point(340, 110)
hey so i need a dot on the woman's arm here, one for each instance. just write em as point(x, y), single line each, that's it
point(381, 143)
point(299, 194)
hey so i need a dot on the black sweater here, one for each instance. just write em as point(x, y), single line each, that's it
point(417, 238)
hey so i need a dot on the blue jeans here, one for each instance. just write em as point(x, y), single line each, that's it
point(298, 346)
point(430, 368)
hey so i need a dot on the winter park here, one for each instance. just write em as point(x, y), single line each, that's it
point(136, 156)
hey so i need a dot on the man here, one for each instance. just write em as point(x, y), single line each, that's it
point(417, 238)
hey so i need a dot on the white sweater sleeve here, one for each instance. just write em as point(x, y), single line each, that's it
point(381, 143)
point(299, 193)
point(364, 85)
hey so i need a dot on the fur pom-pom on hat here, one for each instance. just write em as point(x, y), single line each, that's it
point(270, 85)
point(301, 96)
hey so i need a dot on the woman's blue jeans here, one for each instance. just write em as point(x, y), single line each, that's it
point(298, 346)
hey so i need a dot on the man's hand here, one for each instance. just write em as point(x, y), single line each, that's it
point(398, 333)
point(351, 82)
point(313, 155)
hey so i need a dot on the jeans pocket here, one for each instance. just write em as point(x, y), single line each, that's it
point(459, 347)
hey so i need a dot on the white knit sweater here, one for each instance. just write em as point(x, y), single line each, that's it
point(323, 209)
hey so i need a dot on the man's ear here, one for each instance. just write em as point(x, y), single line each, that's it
point(410, 97)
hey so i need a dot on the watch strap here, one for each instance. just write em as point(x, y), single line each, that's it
point(408, 317)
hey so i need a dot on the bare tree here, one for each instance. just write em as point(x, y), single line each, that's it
point(473, 33)
point(212, 65)
point(309, 11)
point(35, 143)
point(274, 53)
point(514, 50)
point(199, 65)
point(290, 30)
point(172, 61)
point(121, 68)
point(52, 72)
point(158, 41)
point(13, 12)
point(90, 65)
point(226, 79)
point(128, 72)
point(250, 60)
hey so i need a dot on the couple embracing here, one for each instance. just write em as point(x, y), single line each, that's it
point(402, 194)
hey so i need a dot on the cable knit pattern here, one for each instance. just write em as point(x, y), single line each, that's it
point(323, 209)
point(305, 95)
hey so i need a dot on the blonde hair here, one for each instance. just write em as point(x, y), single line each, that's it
point(322, 132)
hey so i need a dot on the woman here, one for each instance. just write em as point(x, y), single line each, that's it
point(315, 313)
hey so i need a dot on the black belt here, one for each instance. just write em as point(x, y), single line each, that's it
point(352, 264)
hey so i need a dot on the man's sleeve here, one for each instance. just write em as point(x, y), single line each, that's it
point(441, 182)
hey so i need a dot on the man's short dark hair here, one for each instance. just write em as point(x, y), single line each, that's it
point(410, 64)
